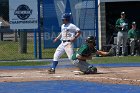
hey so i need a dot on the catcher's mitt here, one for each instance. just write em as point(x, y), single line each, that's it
point(112, 51)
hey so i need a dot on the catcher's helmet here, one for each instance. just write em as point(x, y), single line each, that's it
point(133, 23)
point(123, 13)
point(66, 16)
point(91, 39)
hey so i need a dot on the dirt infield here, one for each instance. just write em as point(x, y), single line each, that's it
point(117, 75)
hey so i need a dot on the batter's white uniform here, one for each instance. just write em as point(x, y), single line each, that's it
point(68, 32)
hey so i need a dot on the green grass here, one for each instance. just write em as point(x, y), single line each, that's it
point(23, 63)
point(96, 60)
point(9, 50)
point(126, 59)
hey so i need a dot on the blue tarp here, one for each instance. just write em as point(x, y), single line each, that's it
point(66, 86)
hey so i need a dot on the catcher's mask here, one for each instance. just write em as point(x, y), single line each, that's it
point(66, 16)
point(91, 39)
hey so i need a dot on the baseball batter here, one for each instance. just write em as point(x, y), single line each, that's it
point(122, 27)
point(85, 53)
point(69, 33)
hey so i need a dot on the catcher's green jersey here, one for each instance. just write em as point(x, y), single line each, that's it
point(122, 22)
point(84, 50)
point(134, 33)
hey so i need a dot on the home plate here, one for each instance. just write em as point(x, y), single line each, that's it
point(76, 71)
point(57, 76)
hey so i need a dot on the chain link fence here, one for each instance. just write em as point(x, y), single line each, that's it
point(15, 44)
point(19, 45)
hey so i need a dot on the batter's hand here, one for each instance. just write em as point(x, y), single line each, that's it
point(73, 39)
point(55, 40)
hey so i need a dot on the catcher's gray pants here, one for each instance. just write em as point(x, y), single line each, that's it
point(132, 45)
point(82, 65)
point(121, 39)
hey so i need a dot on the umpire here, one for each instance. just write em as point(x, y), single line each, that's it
point(122, 28)
point(134, 38)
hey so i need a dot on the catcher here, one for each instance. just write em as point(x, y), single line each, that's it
point(85, 53)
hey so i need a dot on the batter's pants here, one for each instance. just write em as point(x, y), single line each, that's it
point(62, 48)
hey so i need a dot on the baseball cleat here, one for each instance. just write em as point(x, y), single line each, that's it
point(51, 71)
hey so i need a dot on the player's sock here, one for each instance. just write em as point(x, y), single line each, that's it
point(54, 64)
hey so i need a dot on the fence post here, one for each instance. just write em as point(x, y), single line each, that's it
point(16, 36)
point(39, 32)
point(23, 42)
point(35, 43)
point(1, 33)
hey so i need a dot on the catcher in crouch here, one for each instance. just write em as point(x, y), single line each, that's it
point(85, 53)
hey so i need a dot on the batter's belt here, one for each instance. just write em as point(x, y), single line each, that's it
point(66, 41)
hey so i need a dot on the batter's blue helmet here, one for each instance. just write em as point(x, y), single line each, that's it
point(66, 16)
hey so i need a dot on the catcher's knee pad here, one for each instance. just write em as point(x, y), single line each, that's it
point(91, 70)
